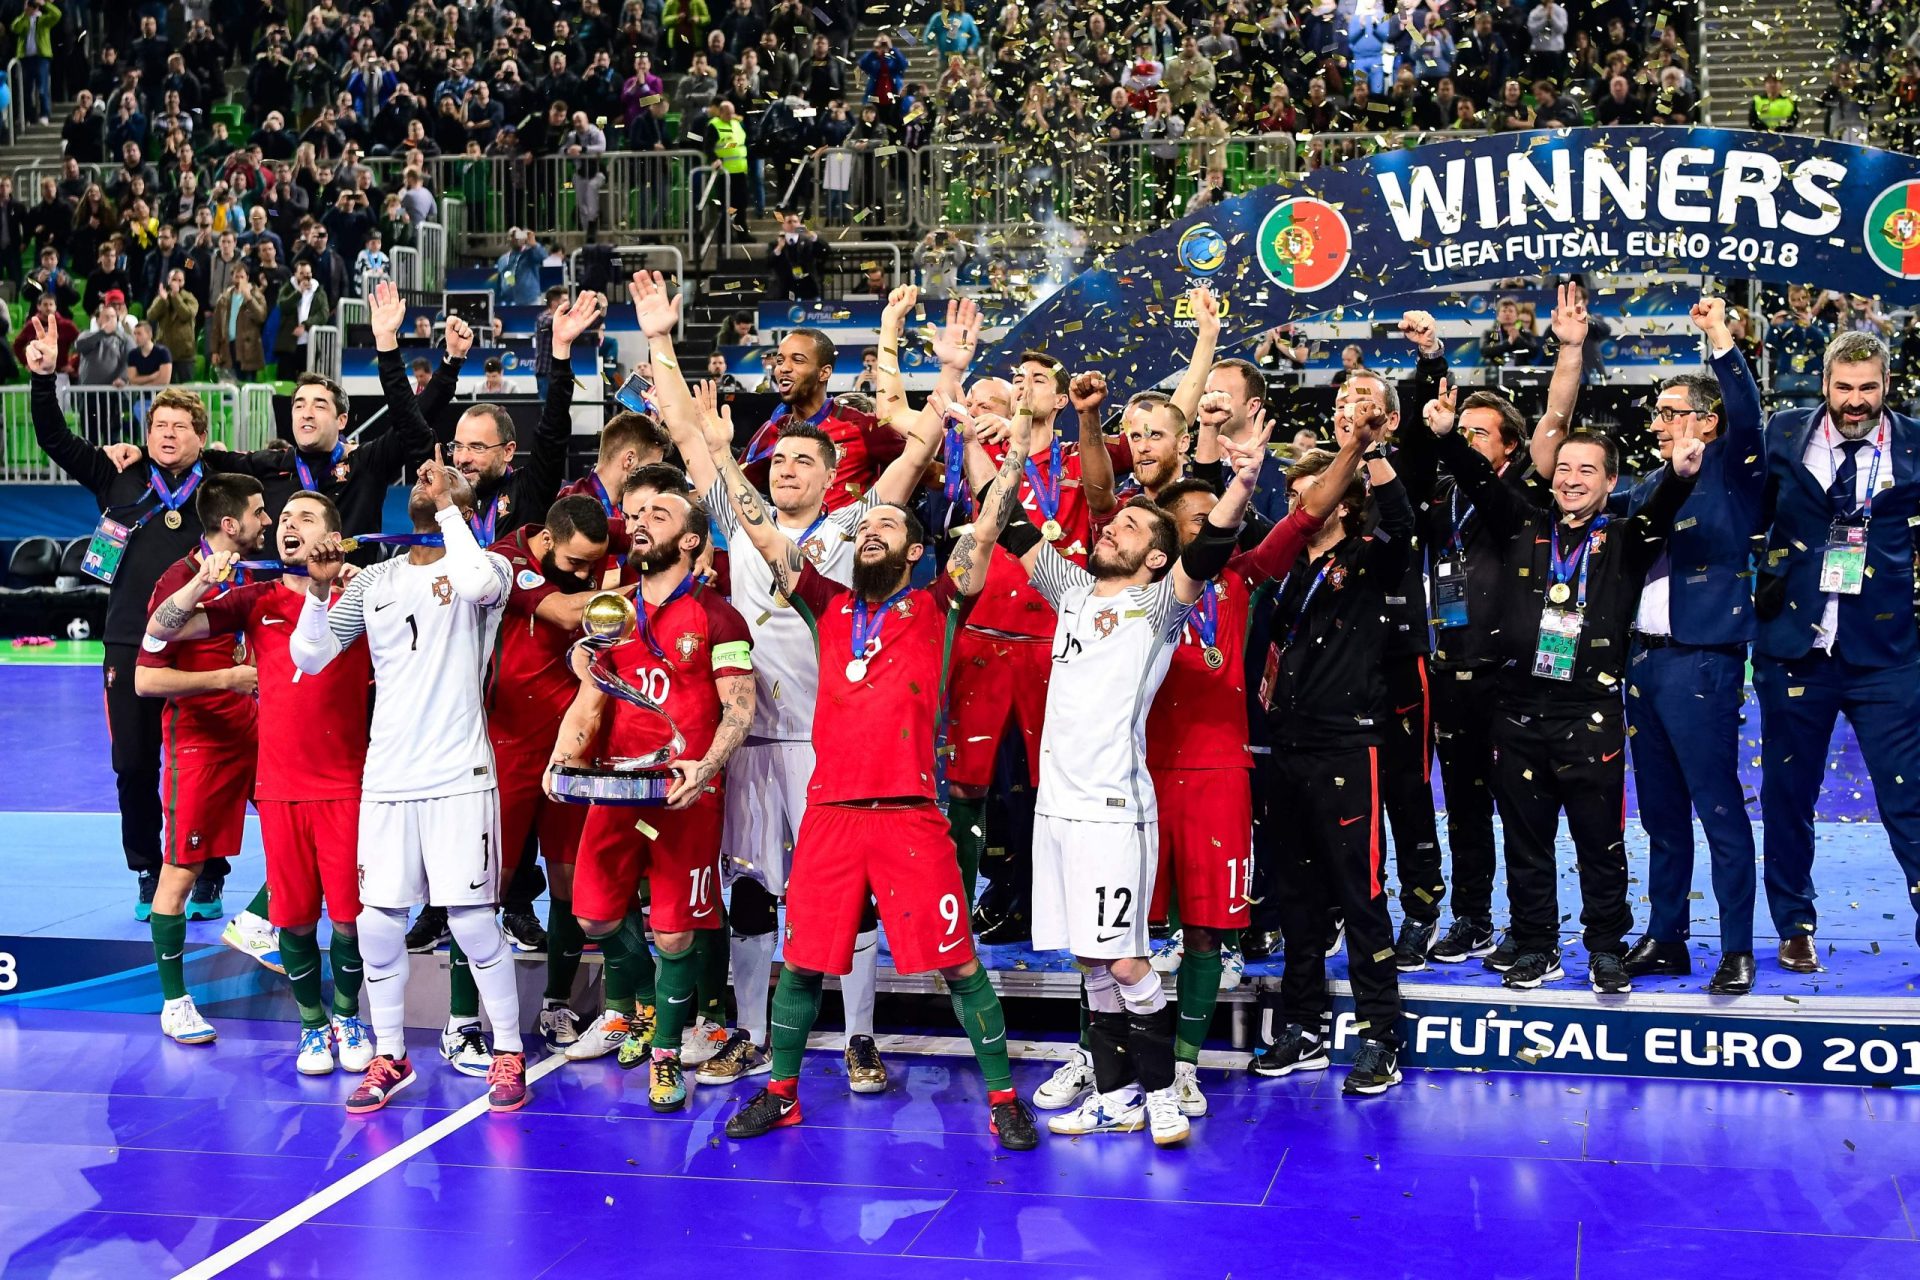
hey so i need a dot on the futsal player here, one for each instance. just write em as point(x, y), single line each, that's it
point(692, 656)
point(209, 727)
point(430, 801)
point(313, 750)
point(863, 444)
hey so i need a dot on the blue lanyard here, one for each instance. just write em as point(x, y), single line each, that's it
point(170, 499)
point(867, 627)
point(1865, 509)
point(771, 432)
point(1046, 496)
point(1300, 618)
point(646, 624)
point(239, 570)
point(600, 492)
point(1206, 613)
point(1563, 566)
point(955, 449)
point(483, 526)
point(306, 473)
point(1456, 539)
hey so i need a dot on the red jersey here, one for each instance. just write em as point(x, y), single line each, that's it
point(210, 724)
point(1199, 717)
point(865, 449)
point(1008, 603)
point(589, 486)
point(313, 729)
point(875, 731)
point(530, 686)
point(700, 638)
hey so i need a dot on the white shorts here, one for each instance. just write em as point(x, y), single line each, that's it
point(766, 798)
point(1092, 884)
point(444, 850)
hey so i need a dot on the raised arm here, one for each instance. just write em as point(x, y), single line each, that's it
point(974, 548)
point(440, 388)
point(548, 463)
point(1208, 553)
point(579, 730)
point(179, 617)
point(904, 474)
point(1417, 459)
point(659, 315)
point(1500, 511)
point(1740, 421)
point(1206, 337)
point(84, 462)
point(475, 575)
point(1086, 393)
point(1570, 323)
point(321, 634)
point(410, 437)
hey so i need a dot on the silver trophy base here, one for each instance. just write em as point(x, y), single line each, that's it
point(574, 785)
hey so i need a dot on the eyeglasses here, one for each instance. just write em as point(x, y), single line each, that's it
point(1664, 414)
point(461, 446)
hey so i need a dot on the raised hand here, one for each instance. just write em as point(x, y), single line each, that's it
point(43, 353)
point(716, 419)
point(121, 456)
point(1709, 315)
point(1246, 458)
point(658, 314)
point(215, 568)
point(1206, 309)
point(1087, 392)
point(900, 305)
point(325, 563)
point(1570, 318)
point(1440, 411)
point(954, 345)
point(1215, 408)
point(439, 481)
point(1418, 328)
point(386, 309)
point(576, 317)
point(1687, 454)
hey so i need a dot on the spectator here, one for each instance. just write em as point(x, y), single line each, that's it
point(737, 330)
point(1773, 109)
point(49, 221)
point(269, 272)
point(1796, 342)
point(33, 37)
point(583, 142)
point(148, 364)
point(236, 346)
point(696, 94)
point(47, 308)
point(742, 27)
point(107, 277)
point(722, 378)
point(726, 148)
point(766, 385)
point(516, 273)
point(1352, 361)
point(1550, 110)
point(1843, 118)
point(1512, 113)
point(952, 31)
point(821, 76)
point(1209, 132)
point(886, 70)
point(15, 234)
point(304, 307)
point(493, 379)
point(83, 137)
point(543, 339)
point(939, 257)
point(1481, 60)
point(1189, 76)
point(1547, 40)
point(1370, 39)
point(1434, 56)
point(174, 313)
point(422, 370)
point(416, 199)
point(793, 265)
point(681, 24)
point(370, 266)
point(100, 360)
point(1619, 106)
point(1511, 341)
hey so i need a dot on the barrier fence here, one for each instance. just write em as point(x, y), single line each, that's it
point(240, 417)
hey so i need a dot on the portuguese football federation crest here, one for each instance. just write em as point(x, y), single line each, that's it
point(1892, 233)
point(1305, 245)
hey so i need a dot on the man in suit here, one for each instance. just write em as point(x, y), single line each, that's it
point(1834, 598)
point(1686, 676)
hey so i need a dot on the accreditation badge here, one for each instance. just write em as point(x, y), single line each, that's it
point(1558, 645)
point(1843, 565)
point(105, 550)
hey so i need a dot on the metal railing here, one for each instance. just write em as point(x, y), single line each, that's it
point(26, 178)
point(407, 274)
point(453, 216)
point(850, 187)
point(637, 255)
point(352, 313)
point(323, 350)
point(433, 257)
point(240, 417)
point(17, 112)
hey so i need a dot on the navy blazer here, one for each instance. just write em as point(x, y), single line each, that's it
point(1710, 581)
point(1877, 627)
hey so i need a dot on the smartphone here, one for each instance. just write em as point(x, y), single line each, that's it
point(636, 394)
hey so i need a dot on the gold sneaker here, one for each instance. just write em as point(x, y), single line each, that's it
point(865, 1072)
point(737, 1060)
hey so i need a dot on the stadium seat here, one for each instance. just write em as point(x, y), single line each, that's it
point(35, 562)
point(70, 575)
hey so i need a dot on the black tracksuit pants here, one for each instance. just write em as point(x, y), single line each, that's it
point(1463, 712)
point(1406, 782)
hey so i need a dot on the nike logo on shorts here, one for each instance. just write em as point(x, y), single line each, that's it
point(271, 621)
point(1401, 711)
point(681, 1000)
point(1113, 937)
point(948, 946)
point(1347, 822)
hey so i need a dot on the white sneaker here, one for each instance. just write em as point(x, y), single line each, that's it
point(1233, 967)
point(1123, 1111)
point(605, 1035)
point(465, 1046)
point(354, 1042)
point(559, 1025)
point(1069, 1082)
point(1164, 1116)
point(182, 1023)
point(1186, 1087)
point(699, 1042)
point(253, 937)
point(316, 1053)
point(1167, 956)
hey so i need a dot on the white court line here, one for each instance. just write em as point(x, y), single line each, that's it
point(267, 1232)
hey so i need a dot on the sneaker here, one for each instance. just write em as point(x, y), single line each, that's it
point(385, 1077)
point(1532, 969)
point(315, 1057)
point(739, 1058)
point(1165, 1118)
point(1232, 968)
point(1011, 1122)
point(354, 1042)
point(1607, 974)
point(1466, 937)
point(182, 1023)
point(1069, 1083)
point(1376, 1069)
point(699, 1042)
point(1339, 936)
point(637, 1049)
point(252, 936)
point(1123, 1111)
point(143, 899)
point(1167, 956)
point(204, 902)
point(1410, 948)
point(1258, 944)
point(524, 930)
point(559, 1025)
point(666, 1089)
point(865, 1072)
point(1502, 957)
point(465, 1046)
point(1292, 1050)
point(765, 1113)
point(1186, 1087)
point(429, 932)
point(602, 1036)
point(507, 1082)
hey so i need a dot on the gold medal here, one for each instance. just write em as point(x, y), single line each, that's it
point(856, 670)
point(172, 518)
point(1559, 593)
point(1215, 659)
point(1051, 531)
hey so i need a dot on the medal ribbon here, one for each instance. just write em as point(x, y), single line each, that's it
point(239, 570)
point(867, 628)
point(1563, 565)
point(770, 434)
point(607, 504)
point(1456, 540)
point(1206, 614)
point(1045, 497)
point(955, 457)
point(170, 499)
point(359, 540)
point(1865, 509)
point(1300, 618)
point(646, 625)
point(306, 472)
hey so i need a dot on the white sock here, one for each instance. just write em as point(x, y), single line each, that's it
point(752, 960)
point(1103, 992)
point(858, 987)
point(1145, 996)
point(383, 952)
point(478, 932)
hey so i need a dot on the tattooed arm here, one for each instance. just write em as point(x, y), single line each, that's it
point(578, 731)
point(736, 713)
point(781, 553)
point(968, 563)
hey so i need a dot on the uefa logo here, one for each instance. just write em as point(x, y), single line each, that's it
point(1202, 250)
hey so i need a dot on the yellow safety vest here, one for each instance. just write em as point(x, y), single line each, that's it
point(730, 145)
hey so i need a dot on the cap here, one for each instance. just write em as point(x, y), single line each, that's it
point(115, 296)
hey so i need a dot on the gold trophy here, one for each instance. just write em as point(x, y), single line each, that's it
point(621, 780)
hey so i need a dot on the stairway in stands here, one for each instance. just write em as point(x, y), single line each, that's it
point(36, 144)
point(1743, 43)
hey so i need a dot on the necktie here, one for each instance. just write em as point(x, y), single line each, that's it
point(1840, 494)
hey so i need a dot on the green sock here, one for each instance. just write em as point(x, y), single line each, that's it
point(626, 977)
point(169, 948)
point(967, 821)
point(463, 997)
point(1086, 1017)
point(259, 904)
point(711, 999)
point(978, 1009)
point(348, 972)
point(796, 1004)
point(564, 942)
point(640, 970)
point(1197, 991)
point(300, 952)
point(679, 972)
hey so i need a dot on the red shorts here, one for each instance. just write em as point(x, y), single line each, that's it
point(994, 680)
point(313, 851)
point(681, 862)
point(1206, 846)
point(525, 808)
point(206, 799)
point(903, 857)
